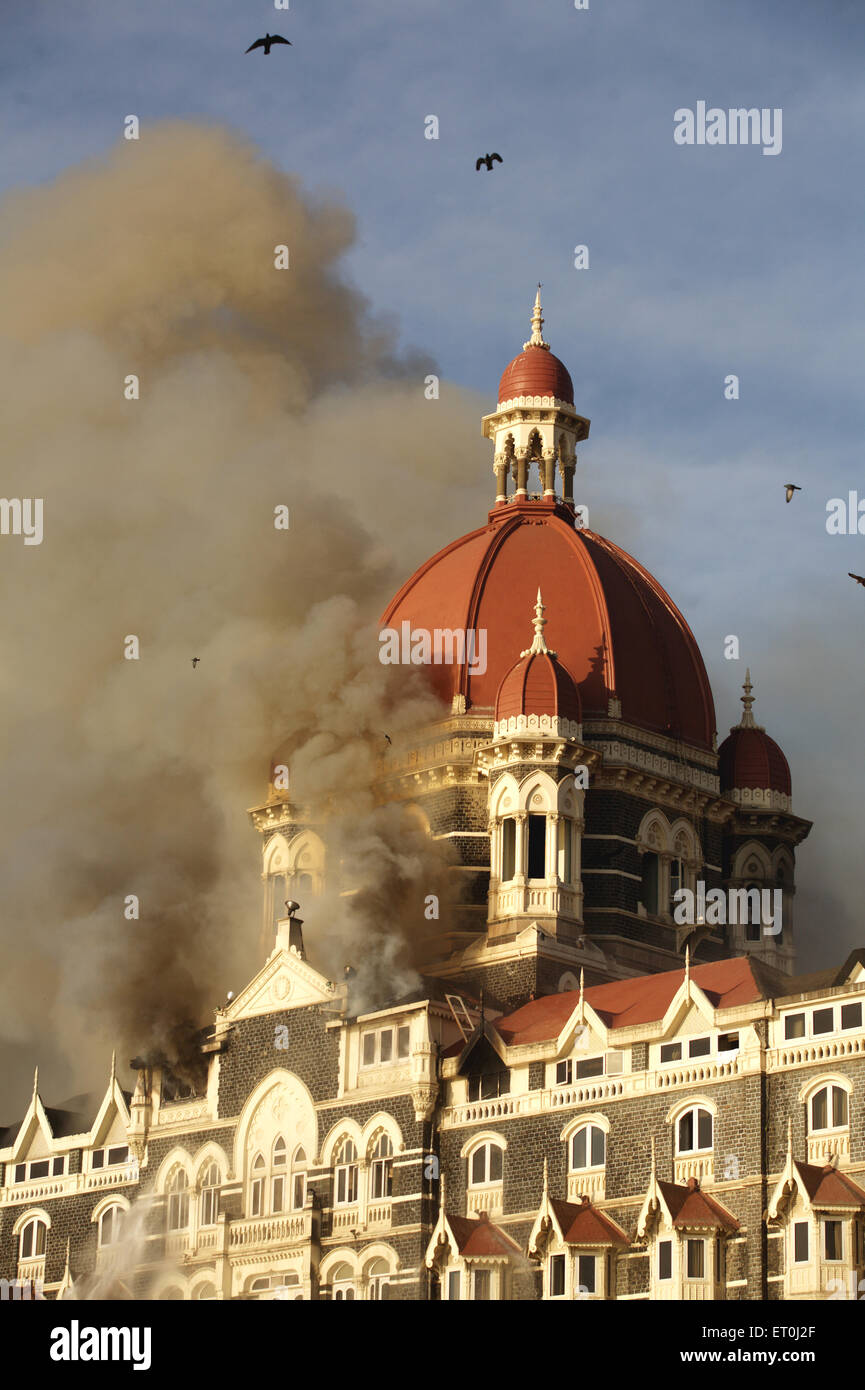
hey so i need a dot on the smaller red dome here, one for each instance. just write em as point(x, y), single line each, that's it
point(538, 684)
point(536, 372)
point(749, 758)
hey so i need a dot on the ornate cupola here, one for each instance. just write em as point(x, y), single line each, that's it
point(535, 421)
point(752, 767)
point(538, 770)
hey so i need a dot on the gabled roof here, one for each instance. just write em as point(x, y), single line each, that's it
point(582, 1224)
point(690, 1209)
point(827, 1187)
point(479, 1238)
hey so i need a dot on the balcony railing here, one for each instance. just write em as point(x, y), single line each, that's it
point(269, 1230)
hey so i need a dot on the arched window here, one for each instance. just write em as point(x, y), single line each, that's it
point(110, 1226)
point(486, 1165)
point(279, 1159)
point(588, 1148)
point(342, 1283)
point(33, 1239)
point(381, 1174)
point(509, 849)
point(377, 1275)
point(205, 1292)
point(208, 1207)
point(345, 1175)
point(171, 1295)
point(256, 1194)
point(298, 1180)
point(694, 1131)
point(649, 889)
point(178, 1201)
point(829, 1109)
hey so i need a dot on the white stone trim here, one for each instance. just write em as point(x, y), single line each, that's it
point(549, 725)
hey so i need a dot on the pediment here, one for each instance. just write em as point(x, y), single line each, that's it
point(285, 982)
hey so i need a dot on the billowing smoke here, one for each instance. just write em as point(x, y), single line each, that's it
point(258, 388)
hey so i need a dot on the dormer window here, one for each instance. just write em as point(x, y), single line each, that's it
point(107, 1158)
point(40, 1168)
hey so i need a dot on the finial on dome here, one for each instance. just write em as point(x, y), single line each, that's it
point(539, 646)
point(35, 1082)
point(747, 720)
point(687, 963)
point(537, 338)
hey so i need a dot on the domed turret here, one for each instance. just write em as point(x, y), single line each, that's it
point(752, 768)
point(538, 692)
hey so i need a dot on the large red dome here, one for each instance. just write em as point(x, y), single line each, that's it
point(614, 628)
point(536, 372)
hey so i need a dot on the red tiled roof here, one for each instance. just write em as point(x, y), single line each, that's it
point(536, 372)
point(538, 685)
point(623, 1003)
point(478, 1237)
point(690, 1208)
point(750, 758)
point(582, 1224)
point(827, 1187)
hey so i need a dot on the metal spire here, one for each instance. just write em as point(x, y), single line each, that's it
point(537, 338)
point(539, 646)
point(687, 964)
point(747, 721)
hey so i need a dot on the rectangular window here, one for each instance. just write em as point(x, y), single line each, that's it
point(833, 1241)
point(563, 1073)
point(481, 1280)
point(453, 1283)
point(728, 1042)
point(671, 1052)
point(794, 1026)
point(586, 1273)
point(40, 1169)
point(368, 1049)
point(704, 1129)
point(851, 1015)
point(509, 849)
point(801, 1243)
point(665, 1259)
point(278, 1195)
point(386, 1040)
point(97, 1158)
point(479, 1166)
point(699, 1047)
point(20, 1172)
point(696, 1260)
point(119, 1153)
point(256, 1197)
point(591, 1066)
point(57, 1167)
point(615, 1063)
point(557, 1276)
point(299, 1190)
point(823, 1021)
point(564, 848)
point(717, 1259)
point(403, 1041)
point(537, 867)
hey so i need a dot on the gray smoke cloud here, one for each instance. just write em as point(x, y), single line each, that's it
point(258, 388)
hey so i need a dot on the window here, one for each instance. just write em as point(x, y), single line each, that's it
point(586, 1273)
point(671, 1052)
point(33, 1239)
point(40, 1168)
point(403, 1041)
point(694, 1131)
point(509, 849)
point(178, 1202)
point(665, 1259)
point(801, 1243)
point(488, 1085)
point(256, 1205)
point(537, 847)
point(794, 1026)
point(557, 1276)
point(822, 1021)
point(589, 1067)
point(695, 1253)
point(588, 1148)
point(381, 1173)
point(378, 1047)
point(833, 1240)
point(110, 1223)
point(677, 881)
point(699, 1047)
point(209, 1199)
point(342, 1284)
point(205, 1293)
point(851, 1015)
point(279, 1159)
point(564, 1073)
point(719, 1260)
point(615, 1063)
point(481, 1281)
point(829, 1109)
point(453, 1283)
point(102, 1158)
point(753, 912)
point(298, 1180)
point(485, 1165)
point(649, 887)
point(377, 1277)
point(564, 850)
point(345, 1174)
point(728, 1042)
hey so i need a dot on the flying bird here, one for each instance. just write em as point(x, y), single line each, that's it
point(790, 488)
point(388, 737)
point(858, 577)
point(266, 42)
point(195, 661)
point(487, 159)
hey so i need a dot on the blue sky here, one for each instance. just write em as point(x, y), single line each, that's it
point(704, 261)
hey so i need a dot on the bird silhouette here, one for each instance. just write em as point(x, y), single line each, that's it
point(487, 159)
point(266, 42)
point(858, 577)
point(790, 488)
point(195, 661)
point(388, 737)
